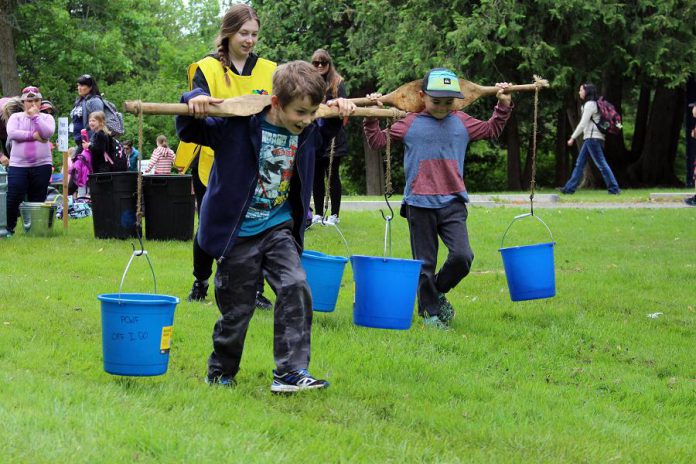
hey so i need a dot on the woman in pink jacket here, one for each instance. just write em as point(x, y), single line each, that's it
point(30, 154)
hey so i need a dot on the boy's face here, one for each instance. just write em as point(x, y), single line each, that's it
point(438, 107)
point(296, 115)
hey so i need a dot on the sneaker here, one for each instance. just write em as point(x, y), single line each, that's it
point(316, 219)
point(564, 191)
point(220, 380)
point(447, 312)
point(262, 302)
point(295, 381)
point(332, 220)
point(198, 291)
point(691, 201)
point(434, 322)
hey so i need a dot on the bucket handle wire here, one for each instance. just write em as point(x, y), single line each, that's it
point(521, 216)
point(387, 227)
point(141, 252)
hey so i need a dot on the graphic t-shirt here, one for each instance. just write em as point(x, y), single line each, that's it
point(269, 206)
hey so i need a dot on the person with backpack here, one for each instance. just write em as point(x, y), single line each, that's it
point(87, 102)
point(162, 158)
point(593, 144)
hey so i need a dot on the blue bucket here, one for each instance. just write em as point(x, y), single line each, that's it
point(529, 269)
point(324, 274)
point(385, 291)
point(137, 332)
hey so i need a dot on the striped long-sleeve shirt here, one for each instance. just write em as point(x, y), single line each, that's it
point(161, 161)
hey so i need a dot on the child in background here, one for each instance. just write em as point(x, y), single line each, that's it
point(435, 196)
point(253, 217)
point(98, 143)
point(162, 158)
point(692, 201)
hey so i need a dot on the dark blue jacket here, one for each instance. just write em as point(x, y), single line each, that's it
point(234, 176)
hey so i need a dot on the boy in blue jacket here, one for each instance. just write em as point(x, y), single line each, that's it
point(252, 217)
point(435, 197)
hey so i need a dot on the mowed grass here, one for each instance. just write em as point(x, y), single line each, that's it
point(586, 376)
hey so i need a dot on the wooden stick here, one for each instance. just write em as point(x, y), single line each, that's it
point(248, 105)
point(65, 190)
point(407, 97)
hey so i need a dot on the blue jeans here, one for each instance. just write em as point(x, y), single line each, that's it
point(593, 148)
point(32, 182)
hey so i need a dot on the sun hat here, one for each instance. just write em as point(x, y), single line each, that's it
point(31, 92)
point(441, 83)
point(46, 105)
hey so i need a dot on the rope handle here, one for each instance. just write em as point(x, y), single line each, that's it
point(522, 216)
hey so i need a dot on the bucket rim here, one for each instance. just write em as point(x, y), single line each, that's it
point(153, 298)
point(383, 258)
point(542, 244)
point(319, 256)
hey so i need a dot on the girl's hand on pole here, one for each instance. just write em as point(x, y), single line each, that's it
point(200, 106)
point(504, 98)
point(375, 98)
point(345, 107)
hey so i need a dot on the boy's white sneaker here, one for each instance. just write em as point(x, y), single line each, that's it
point(332, 220)
point(316, 219)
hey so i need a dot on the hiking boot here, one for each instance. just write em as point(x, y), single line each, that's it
point(295, 381)
point(434, 322)
point(262, 302)
point(447, 312)
point(691, 201)
point(198, 291)
point(220, 380)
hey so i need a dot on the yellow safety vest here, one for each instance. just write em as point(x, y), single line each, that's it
point(259, 82)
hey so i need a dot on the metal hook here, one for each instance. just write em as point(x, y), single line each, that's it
point(139, 235)
point(391, 211)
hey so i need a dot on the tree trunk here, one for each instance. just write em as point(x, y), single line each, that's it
point(690, 141)
point(655, 166)
point(374, 170)
point(563, 167)
point(9, 78)
point(513, 154)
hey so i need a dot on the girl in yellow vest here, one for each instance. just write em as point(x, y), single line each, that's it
point(232, 71)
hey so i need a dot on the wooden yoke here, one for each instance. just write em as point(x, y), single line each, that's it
point(407, 97)
point(248, 105)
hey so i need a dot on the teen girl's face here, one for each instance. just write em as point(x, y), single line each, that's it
point(438, 107)
point(242, 42)
point(581, 93)
point(32, 106)
point(83, 90)
point(297, 115)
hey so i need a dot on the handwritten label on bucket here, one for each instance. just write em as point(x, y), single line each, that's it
point(166, 341)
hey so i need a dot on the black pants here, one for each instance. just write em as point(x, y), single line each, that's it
point(202, 261)
point(425, 225)
point(319, 189)
point(30, 182)
point(276, 253)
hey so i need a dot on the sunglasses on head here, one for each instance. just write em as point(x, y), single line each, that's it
point(30, 89)
point(318, 63)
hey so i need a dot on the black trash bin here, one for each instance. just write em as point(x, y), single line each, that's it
point(169, 207)
point(114, 201)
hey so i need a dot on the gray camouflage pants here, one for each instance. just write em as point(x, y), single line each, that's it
point(275, 252)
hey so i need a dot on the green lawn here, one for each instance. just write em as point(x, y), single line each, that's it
point(586, 376)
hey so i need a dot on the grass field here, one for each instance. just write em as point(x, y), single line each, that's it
point(586, 376)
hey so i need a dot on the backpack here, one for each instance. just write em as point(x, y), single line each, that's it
point(609, 118)
point(114, 119)
point(118, 156)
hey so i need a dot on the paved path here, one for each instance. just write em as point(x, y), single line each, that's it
point(657, 201)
